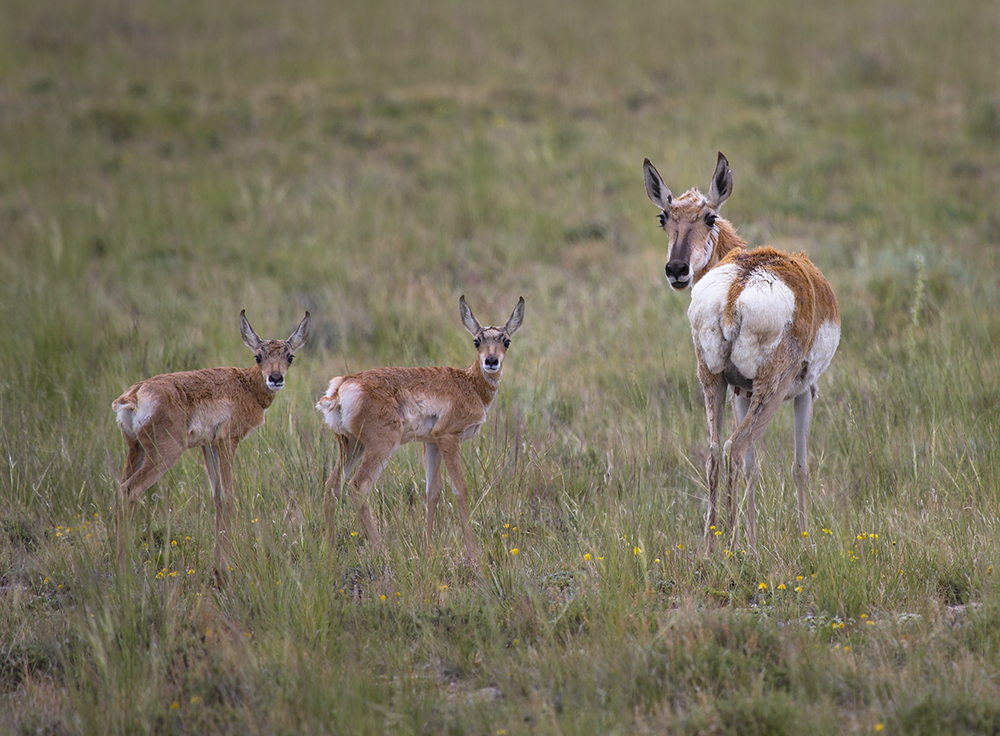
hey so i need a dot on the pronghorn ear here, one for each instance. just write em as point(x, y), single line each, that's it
point(470, 322)
point(657, 191)
point(722, 183)
point(298, 338)
point(516, 317)
point(249, 336)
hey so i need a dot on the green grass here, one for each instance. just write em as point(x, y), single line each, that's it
point(164, 166)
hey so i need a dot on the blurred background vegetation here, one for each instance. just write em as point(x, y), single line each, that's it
point(164, 165)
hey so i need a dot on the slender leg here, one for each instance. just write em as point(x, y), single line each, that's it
point(803, 421)
point(715, 406)
point(376, 457)
point(451, 449)
point(219, 464)
point(156, 459)
point(432, 467)
point(136, 455)
point(741, 405)
point(348, 454)
point(770, 388)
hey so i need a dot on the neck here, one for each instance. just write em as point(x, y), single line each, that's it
point(256, 379)
point(725, 240)
point(486, 384)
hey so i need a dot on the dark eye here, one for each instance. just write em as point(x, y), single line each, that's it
point(258, 359)
point(476, 342)
point(663, 219)
point(290, 357)
point(506, 343)
point(710, 219)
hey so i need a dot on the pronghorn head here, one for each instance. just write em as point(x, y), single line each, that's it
point(689, 221)
point(491, 342)
point(274, 356)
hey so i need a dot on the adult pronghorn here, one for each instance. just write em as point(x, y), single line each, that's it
point(764, 322)
point(213, 408)
point(376, 411)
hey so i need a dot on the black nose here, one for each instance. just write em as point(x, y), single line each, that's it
point(277, 379)
point(492, 361)
point(677, 270)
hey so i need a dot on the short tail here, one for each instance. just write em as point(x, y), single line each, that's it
point(329, 404)
point(125, 407)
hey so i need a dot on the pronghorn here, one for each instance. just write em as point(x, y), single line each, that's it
point(376, 411)
point(213, 408)
point(764, 322)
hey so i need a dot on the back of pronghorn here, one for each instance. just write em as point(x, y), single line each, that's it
point(763, 321)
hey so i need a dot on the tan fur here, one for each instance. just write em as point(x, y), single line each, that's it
point(373, 412)
point(213, 408)
point(741, 335)
point(815, 301)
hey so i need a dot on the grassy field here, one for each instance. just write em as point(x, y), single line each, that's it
point(165, 165)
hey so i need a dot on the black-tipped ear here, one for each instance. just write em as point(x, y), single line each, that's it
point(656, 190)
point(468, 319)
point(249, 336)
point(516, 318)
point(722, 183)
point(298, 338)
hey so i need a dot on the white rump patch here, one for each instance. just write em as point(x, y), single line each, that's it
point(763, 310)
point(132, 418)
point(340, 405)
point(708, 305)
point(823, 349)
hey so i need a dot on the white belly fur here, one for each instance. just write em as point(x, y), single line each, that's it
point(420, 414)
point(208, 422)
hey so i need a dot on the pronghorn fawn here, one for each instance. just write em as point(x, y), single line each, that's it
point(376, 411)
point(213, 409)
point(763, 321)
